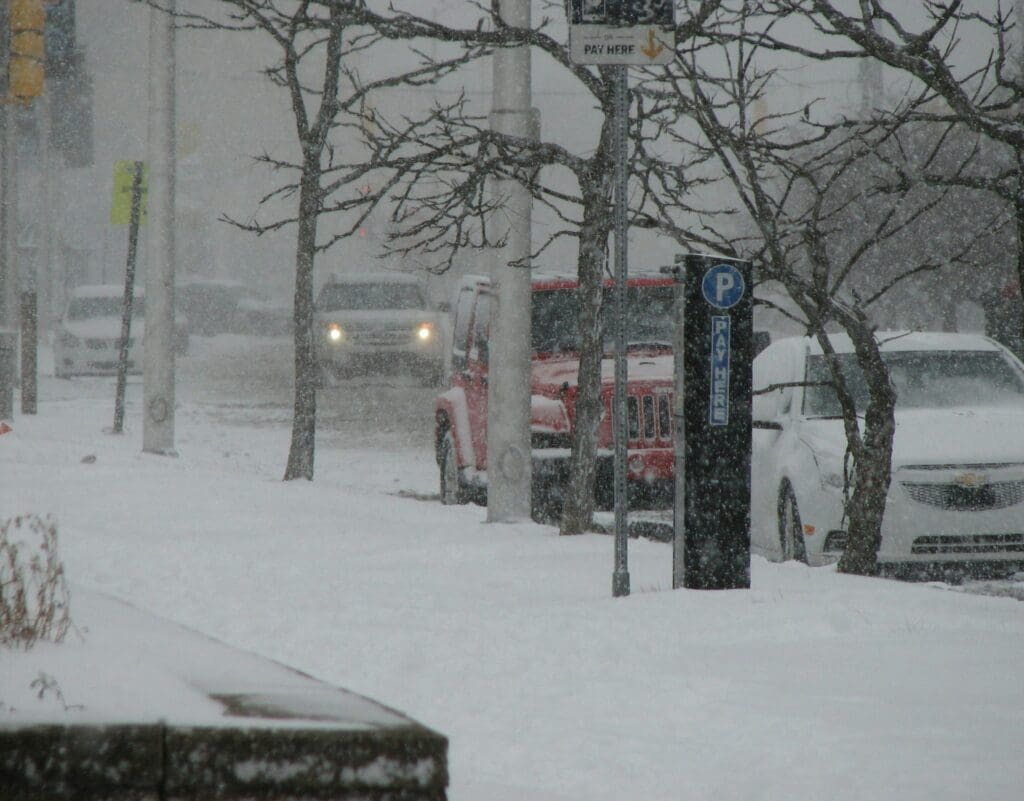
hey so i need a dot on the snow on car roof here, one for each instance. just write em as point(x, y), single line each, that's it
point(906, 340)
point(102, 291)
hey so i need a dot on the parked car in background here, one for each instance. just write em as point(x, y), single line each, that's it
point(224, 306)
point(460, 411)
point(378, 322)
point(88, 335)
point(956, 499)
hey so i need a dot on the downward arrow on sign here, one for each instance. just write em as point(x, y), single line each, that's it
point(653, 46)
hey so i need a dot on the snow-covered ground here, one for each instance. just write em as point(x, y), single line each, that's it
point(505, 638)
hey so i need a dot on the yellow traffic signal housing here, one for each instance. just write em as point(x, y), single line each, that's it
point(27, 20)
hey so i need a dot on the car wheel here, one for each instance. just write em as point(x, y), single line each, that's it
point(453, 493)
point(791, 531)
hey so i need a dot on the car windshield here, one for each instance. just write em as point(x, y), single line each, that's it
point(927, 379)
point(648, 318)
point(101, 306)
point(369, 296)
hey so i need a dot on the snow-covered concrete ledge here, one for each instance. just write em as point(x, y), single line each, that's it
point(133, 707)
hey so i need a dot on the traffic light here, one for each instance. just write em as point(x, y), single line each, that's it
point(27, 22)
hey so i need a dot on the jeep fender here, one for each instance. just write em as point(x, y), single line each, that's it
point(451, 406)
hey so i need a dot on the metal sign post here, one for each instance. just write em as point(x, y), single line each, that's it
point(135, 212)
point(620, 33)
point(620, 577)
point(713, 364)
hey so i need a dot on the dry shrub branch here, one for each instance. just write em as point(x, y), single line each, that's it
point(33, 593)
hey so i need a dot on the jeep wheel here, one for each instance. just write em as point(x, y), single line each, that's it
point(452, 491)
point(791, 530)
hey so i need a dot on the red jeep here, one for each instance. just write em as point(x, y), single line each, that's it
point(460, 434)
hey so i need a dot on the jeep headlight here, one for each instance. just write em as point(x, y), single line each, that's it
point(424, 332)
point(335, 333)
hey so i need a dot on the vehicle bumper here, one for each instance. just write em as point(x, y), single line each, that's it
point(84, 360)
point(649, 478)
point(375, 357)
point(919, 535)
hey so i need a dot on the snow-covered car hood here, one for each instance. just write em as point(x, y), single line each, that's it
point(558, 371)
point(101, 328)
point(981, 435)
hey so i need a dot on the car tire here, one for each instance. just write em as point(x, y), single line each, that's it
point(791, 532)
point(453, 491)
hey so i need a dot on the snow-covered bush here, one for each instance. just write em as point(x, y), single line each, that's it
point(33, 593)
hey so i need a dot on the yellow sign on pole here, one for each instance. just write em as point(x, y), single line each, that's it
point(121, 203)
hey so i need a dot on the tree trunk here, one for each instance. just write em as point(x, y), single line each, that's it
point(872, 471)
point(1018, 208)
point(303, 444)
point(578, 508)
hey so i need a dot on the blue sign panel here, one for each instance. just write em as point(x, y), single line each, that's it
point(718, 407)
point(723, 286)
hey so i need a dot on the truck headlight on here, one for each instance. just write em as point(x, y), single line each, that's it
point(335, 333)
point(424, 332)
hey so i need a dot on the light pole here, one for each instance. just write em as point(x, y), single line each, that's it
point(509, 469)
point(158, 354)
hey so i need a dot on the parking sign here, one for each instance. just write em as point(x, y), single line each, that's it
point(625, 32)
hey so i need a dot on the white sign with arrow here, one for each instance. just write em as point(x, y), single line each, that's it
point(625, 32)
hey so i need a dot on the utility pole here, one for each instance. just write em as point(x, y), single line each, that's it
point(509, 468)
point(8, 261)
point(158, 353)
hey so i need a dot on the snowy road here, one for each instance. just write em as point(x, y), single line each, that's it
point(250, 379)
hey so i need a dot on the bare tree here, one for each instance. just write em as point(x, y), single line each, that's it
point(807, 202)
point(982, 91)
point(313, 38)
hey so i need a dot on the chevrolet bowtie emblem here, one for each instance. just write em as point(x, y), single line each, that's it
point(971, 480)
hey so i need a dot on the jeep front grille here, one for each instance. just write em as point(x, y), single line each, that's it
point(997, 495)
point(648, 418)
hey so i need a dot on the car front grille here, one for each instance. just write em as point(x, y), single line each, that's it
point(370, 334)
point(955, 497)
point(103, 344)
point(969, 544)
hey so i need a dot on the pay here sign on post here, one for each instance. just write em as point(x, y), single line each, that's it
point(626, 32)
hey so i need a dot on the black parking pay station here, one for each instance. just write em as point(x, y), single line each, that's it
point(714, 334)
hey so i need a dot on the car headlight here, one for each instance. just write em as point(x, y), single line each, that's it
point(425, 332)
point(335, 333)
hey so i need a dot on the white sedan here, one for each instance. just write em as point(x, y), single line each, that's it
point(89, 333)
point(957, 492)
point(88, 336)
